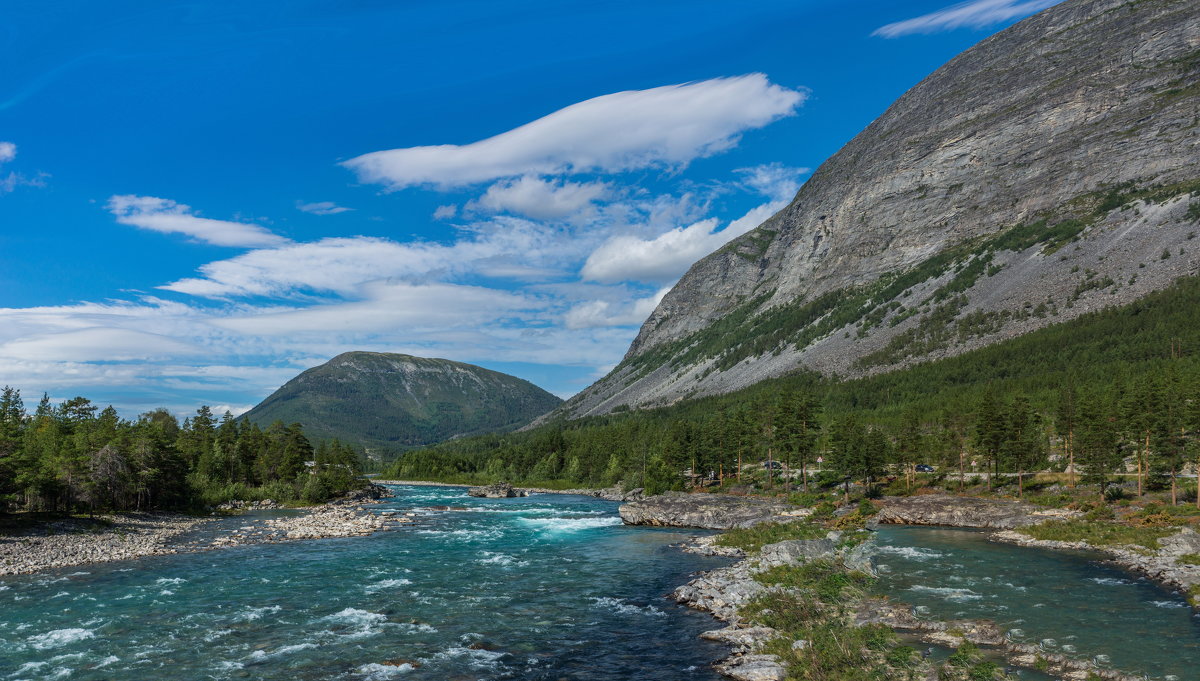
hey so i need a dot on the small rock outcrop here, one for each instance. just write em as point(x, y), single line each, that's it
point(499, 490)
point(705, 511)
point(723, 592)
point(952, 511)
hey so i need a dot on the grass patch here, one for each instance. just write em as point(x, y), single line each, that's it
point(1189, 559)
point(751, 539)
point(820, 579)
point(1098, 533)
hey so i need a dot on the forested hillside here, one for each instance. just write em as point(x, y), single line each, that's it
point(1050, 170)
point(1121, 383)
point(391, 402)
point(76, 457)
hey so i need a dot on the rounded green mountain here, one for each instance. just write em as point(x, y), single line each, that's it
point(394, 402)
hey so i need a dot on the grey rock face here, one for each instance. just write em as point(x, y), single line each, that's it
point(706, 511)
point(499, 490)
point(793, 551)
point(951, 511)
point(1083, 97)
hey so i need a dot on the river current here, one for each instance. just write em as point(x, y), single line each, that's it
point(542, 587)
point(538, 588)
point(1064, 601)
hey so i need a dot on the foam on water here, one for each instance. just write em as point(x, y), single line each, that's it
point(59, 637)
point(561, 525)
point(380, 672)
point(355, 616)
point(251, 614)
point(386, 584)
point(948, 593)
point(501, 559)
point(260, 655)
point(1110, 581)
point(1169, 604)
point(910, 552)
point(475, 658)
point(170, 580)
point(618, 605)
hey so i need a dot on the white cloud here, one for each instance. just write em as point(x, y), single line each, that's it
point(9, 183)
point(97, 344)
point(322, 208)
point(539, 199)
point(974, 14)
point(773, 180)
point(164, 215)
point(342, 264)
point(598, 313)
point(667, 256)
point(445, 212)
point(390, 307)
point(660, 127)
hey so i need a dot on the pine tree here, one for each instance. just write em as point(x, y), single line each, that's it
point(989, 431)
point(1022, 448)
point(910, 445)
point(1098, 438)
point(1065, 416)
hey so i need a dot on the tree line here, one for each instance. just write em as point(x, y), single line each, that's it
point(1084, 396)
point(76, 457)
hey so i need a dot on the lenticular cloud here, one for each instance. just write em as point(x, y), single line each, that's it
point(660, 127)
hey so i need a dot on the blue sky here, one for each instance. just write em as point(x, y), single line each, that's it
point(199, 200)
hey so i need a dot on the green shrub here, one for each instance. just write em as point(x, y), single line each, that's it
point(1097, 533)
point(751, 539)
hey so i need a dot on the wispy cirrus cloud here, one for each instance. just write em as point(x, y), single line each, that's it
point(169, 217)
point(661, 127)
point(973, 14)
point(322, 208)
point(9, 182)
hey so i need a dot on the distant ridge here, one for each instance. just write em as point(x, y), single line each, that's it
point(395, 402)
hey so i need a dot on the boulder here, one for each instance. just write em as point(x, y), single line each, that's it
point(952, 511)
point(499, 490)
point(706, 511)
point(795, 551)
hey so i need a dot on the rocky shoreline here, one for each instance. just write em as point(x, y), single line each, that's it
point(1162, 566)
point(723, 592)
point(615, 493)
point(69, 542)
point(75, 541)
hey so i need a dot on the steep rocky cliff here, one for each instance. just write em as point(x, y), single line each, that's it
point(1050, 170)
point(392, 401)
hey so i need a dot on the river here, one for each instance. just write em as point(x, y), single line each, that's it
point(543, 587)
point(1066, 601)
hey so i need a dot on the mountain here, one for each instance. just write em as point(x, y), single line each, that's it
point(395, 402)
point(1051, 170)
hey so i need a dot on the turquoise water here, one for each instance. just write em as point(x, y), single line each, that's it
point(544, 587)
point(1067, 602)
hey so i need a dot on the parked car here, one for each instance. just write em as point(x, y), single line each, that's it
point(924, 468)
point(773, 465)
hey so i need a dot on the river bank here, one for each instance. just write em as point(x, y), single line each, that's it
point(729, 593)
point(76, 541)
point(614, 493)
